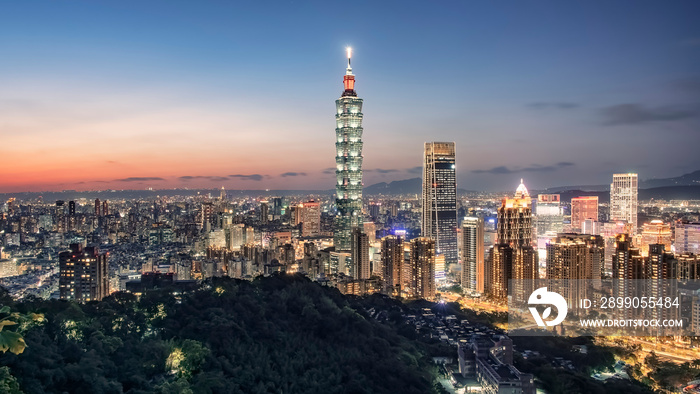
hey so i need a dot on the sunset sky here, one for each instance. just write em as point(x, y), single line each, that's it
point(163, 94)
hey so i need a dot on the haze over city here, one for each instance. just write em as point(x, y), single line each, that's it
point(178, 94)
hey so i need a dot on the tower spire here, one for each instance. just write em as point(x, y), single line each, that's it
point(348, 71)
point(349, 78)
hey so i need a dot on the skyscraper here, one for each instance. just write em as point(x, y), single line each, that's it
point(440, 198)
point(392, 264)
point(623, 199)
point(514, 225)
point(83, 274)
point(513, 257)
point(360, 254)
point(473, 254)
point(421, 278)
point(348, 161)
point(309, 215)
point(687, 238)
point(583, 208)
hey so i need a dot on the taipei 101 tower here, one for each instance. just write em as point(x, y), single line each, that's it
point(348, 163)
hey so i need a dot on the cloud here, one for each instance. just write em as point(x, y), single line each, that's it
point(629, 114)
point(329, 170)
point(251, 177)
point(534, 168)
point(188, 178)
point(553, 104)
point(382, 170)
point(139, 179)
point(286, 174)
point(415, 170)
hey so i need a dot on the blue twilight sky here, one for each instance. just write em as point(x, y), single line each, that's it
point(133, 94)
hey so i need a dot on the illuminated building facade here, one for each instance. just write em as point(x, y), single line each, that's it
point(309, 215)
point(623, 199)
point(440, 198)
point(473, 254)
point(421, 278)
point(392, 257)
point(513, 257)
point(348, 161)
point(582, 209)
point(84, 274)
point(655, 232)
point(687, 238)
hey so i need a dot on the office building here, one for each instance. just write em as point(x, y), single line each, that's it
point(348, 161)
point(473, 255)
point(440, 198)
point(582, 209)
point(308, 214)
point(655, 232)
point(84, 274)
point(687, 238)
point(264, 212)
point(513, 257)
point(623, 199)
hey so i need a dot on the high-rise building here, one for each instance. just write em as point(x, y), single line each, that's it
point(582, 209)
point(264, 212)
point(98, 207)
point(655, 232)
point(687, 238)
point(440, 198)
point(513, 257)
point(548, 214)
point(348, 161)
point(84, 274)
point(421, 279)
point(105, 208)
point(514, 224)
point(309, 215)
point(575, 256)
point(360, 254)
point(473, 254)
point(392, 264)
point(71, 208)
point(60, 217)
point(623, 199)
point(571, 258)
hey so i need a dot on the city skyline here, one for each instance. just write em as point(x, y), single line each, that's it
point(90, 104)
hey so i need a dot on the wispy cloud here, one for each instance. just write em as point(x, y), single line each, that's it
point(140, 179)
point(329, 170)
point(251, 177)
point(286, 174)
point(382, 170)
point(188, 178)
point(500, 170)
point(632, 114)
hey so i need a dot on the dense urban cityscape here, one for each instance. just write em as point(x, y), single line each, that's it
point(321, 281)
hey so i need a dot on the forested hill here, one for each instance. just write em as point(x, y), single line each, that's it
point(281, 334)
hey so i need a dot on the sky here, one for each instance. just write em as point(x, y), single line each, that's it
point(172, 94)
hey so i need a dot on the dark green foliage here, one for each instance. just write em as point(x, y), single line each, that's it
point(282, 334)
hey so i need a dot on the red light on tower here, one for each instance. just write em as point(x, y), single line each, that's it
point(349, 82)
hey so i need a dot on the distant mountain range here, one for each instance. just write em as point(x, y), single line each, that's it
point(691, 179)
point(684, 187)
point(406, 186)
